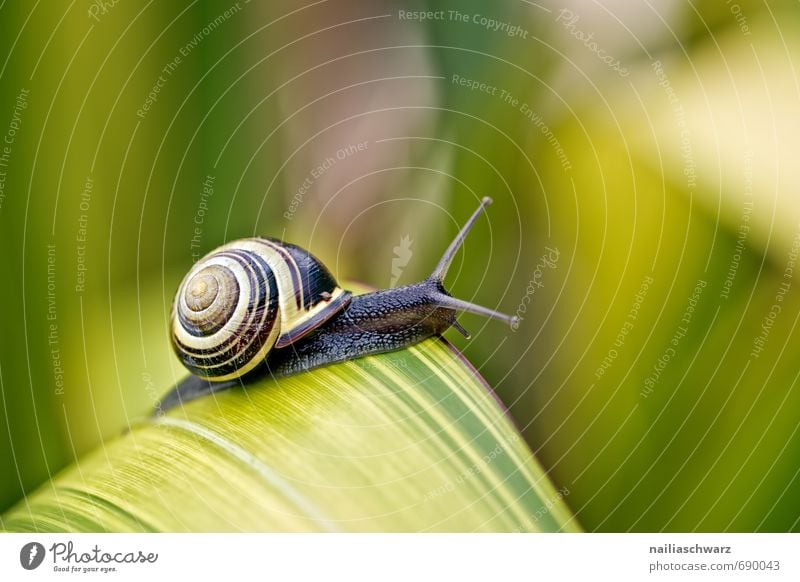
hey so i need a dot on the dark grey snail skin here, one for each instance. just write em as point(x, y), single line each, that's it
point(372, 323)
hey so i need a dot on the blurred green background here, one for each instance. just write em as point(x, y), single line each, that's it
point(646, 220)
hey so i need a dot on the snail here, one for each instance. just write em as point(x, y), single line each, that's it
point(262, 306)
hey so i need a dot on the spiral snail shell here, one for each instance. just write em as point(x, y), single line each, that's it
point(260, 305)
point(246, 297)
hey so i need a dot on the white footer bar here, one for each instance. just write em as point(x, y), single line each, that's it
point(401, 557)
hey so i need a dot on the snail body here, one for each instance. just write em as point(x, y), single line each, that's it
point(261, 306)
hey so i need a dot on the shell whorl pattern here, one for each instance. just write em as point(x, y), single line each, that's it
point(226, 316)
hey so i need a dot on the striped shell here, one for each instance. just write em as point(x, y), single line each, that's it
point(245, 298)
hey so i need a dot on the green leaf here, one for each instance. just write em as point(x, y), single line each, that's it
point(407, 441)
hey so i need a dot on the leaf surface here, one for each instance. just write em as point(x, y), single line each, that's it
point(408, 441)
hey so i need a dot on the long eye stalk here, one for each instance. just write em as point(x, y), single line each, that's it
point(440, 272)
